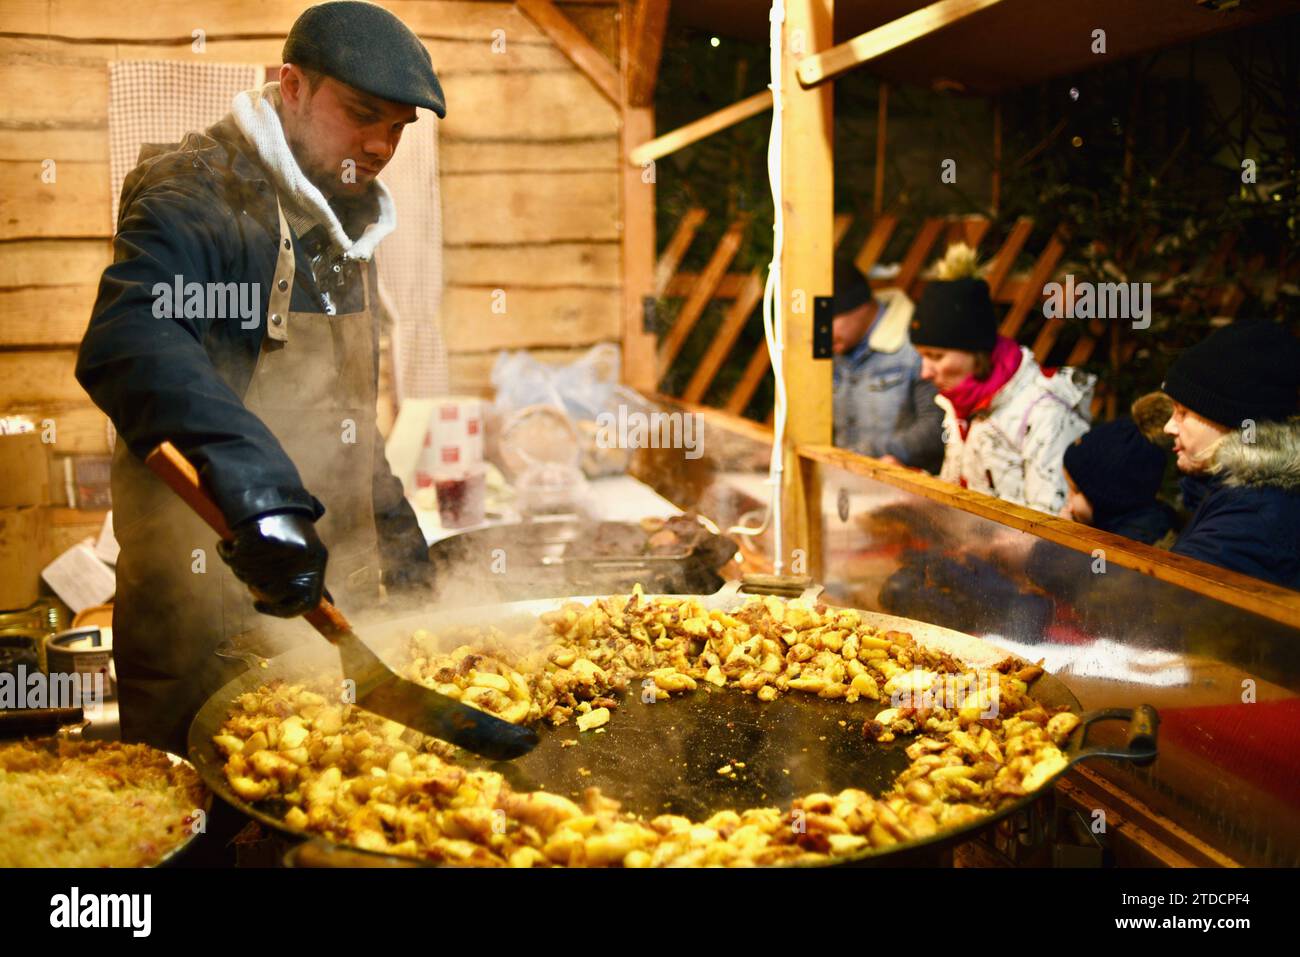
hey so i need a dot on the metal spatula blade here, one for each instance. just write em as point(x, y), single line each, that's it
point(384, 692)
point(379, 689)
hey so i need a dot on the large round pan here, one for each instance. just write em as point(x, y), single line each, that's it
point(665, 757)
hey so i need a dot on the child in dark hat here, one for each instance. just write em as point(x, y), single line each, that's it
point(1006, 422)
point(1114, 473)
point(1236, 399)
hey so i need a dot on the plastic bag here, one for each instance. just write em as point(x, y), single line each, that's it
point(583, 388)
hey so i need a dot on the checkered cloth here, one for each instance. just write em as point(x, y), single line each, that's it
point(410, 264)
point(159, 101)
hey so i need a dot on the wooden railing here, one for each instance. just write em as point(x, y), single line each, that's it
point(1018, 292)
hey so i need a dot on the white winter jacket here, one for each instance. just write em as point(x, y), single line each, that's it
point(1014, 447)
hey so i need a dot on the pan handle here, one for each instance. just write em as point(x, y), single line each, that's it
point(1139, 743)
point(784, 586)
point(24, 722)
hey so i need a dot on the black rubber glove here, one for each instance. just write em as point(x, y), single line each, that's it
point(282, 559)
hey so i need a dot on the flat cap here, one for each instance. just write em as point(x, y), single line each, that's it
point(365, 46)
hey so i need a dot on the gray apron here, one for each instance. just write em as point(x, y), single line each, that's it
point(314, 386)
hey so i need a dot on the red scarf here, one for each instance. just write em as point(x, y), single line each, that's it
point(972, 394)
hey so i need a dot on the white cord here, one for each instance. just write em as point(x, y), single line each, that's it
point(773, 330)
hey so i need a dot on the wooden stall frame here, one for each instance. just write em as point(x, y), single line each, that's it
point(1232, 588)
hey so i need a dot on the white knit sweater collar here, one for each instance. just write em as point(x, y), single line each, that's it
point(255, 114)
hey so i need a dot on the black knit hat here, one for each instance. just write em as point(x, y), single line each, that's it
point(1248, 370)
point(955, 314)
point(851, 287)
point(1116, 467)
point(363, 45)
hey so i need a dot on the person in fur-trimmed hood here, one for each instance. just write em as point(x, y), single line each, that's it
point(1236, 401)
point(1006, 423)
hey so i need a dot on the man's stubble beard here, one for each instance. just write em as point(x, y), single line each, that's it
point(324, 179)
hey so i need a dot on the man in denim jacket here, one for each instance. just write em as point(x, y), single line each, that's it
point(883, 408)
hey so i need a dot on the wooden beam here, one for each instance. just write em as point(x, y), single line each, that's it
point(817, 69)
point(995, 187)
point(807, 194)
point(649, 20)
point(1086, 343)
point(843, 223)
point(967, 229)
point(1233, 588)
point(574, 44)
point(1005, 259)
point(681, 284)
point(641, 369)
point(726, 337)
point(1031, 293)
point(1046, 338)
point(699, 298)
point(882, 134)
point(1083, 787)
point(918, 253)
point(874, 245)
point(672, 255)
point(755, 371)
point(697, 130)
point(717, 418)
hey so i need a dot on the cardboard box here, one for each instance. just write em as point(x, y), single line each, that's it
point(24, 470)
point(24, 546)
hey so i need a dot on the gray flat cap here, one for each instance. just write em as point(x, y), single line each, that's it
point(363, 45)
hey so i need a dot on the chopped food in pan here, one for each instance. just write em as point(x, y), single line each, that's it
point(93, 804)
point(978, 740)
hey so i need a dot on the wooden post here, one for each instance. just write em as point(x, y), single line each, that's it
point(573, 43)
point(637, 189)
point(882, 131)
point(995, 200)
point(807, 181)
point(647, 21)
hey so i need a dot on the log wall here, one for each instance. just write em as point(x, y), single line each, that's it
point(529, 154)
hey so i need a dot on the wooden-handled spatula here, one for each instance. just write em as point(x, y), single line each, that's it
point(378, 688)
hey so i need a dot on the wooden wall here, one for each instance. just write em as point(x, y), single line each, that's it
point(529, 152)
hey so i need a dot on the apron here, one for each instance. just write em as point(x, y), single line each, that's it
point(314, 386)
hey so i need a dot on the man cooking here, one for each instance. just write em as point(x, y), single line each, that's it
point(278, 202)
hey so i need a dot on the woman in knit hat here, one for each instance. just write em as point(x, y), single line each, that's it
point(1236, 399)
point(1006, 424)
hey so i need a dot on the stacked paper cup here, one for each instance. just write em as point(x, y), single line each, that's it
point(452, 460)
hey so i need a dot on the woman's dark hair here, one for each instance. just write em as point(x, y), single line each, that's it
point(983, 365)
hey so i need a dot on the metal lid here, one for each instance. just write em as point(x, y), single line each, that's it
point(64, 639)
